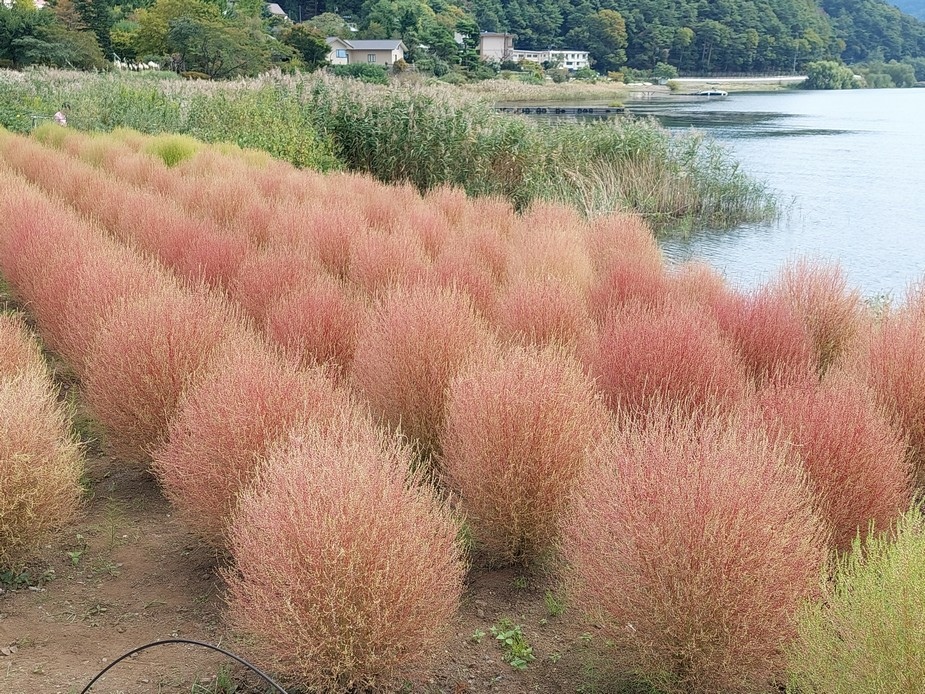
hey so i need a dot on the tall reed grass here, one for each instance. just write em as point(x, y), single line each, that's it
point(426, 136)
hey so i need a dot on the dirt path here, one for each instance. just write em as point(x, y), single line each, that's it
point(129, 573)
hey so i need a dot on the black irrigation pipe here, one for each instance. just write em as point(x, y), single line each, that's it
point(132, 652)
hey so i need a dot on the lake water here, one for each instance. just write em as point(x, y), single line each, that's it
point(849, 165)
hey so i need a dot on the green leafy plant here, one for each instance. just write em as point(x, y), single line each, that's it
point(517, 652)
point(477, 636)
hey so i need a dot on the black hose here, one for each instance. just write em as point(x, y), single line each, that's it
point(132, 652)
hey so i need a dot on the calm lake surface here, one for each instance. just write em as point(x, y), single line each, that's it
point(848, 165)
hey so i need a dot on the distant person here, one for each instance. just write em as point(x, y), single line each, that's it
point(61, 116)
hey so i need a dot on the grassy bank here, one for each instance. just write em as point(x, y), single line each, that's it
point(426, 135)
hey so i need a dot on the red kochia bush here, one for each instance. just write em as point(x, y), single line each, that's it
point(770, 337)
point(830, 312)
point(146, 353)
point(854, 460)
point(379, 259)
point(18, 351)
point(113, 273)
point(695, 544)
point(39, 461)
point(407, 353)
point(518, 428)
point(549, 240)
point(534, 310)
point(246, 398)
point(271, 273)
point(671, 354)
point(318, 323)
point(348, 575)
point(628, 265)
point(892, 362)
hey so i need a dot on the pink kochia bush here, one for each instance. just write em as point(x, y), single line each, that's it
point(695, 544)
point(540, 311)
point(892, 362)
point(40, 463)
point(518, 428)
point(410, 348)
point(348, 573)
point(670, 354)
point(831, 312)
point(318, 323)
point(246, 398)
point(854, 459)
point(146, 354)
point(770, 337)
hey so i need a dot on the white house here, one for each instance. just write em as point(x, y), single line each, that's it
point(496, 47)
point(349, 51)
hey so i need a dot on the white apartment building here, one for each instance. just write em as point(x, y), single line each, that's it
point(569, 59)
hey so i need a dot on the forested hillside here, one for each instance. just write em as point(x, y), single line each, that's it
point(230, 38)
point(693, 35)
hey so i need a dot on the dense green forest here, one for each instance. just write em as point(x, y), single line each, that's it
point(693, 35)
point(223, 38)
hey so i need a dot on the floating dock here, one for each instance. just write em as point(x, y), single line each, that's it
point(563, 110)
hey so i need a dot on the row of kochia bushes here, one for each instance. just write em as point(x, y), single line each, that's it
point(40, 462)
point(697, 456)
point(426, 136)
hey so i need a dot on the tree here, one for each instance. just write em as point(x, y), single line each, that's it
point(215, 48)
point(330, 24)
point(309, 43)
point(828, 74)
point(97, 16)
point(68, 15)
point(603, 34)
point(35, 37)
point(154, 22)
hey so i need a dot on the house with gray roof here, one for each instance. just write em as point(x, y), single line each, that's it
point(348, 51)
point(276, 11)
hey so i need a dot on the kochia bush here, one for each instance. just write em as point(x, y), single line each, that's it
point(830, 311)
point(518, 428)
point(40, 463)
point(671, 354)
point(854, 459)
point(245, 399)
point(770, 337)
point(147, 352)
point(408, 352)
point(348, 575)
point(318, 323)
point(695, 544)
point(540, 311)
point(892, 362)
point(866, 634)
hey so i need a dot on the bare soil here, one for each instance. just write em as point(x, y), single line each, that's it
point(129, 573)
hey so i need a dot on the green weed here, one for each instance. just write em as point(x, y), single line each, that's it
point(517, 652)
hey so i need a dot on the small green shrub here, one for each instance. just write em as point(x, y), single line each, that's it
point(173, 149)
point(865, 636)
